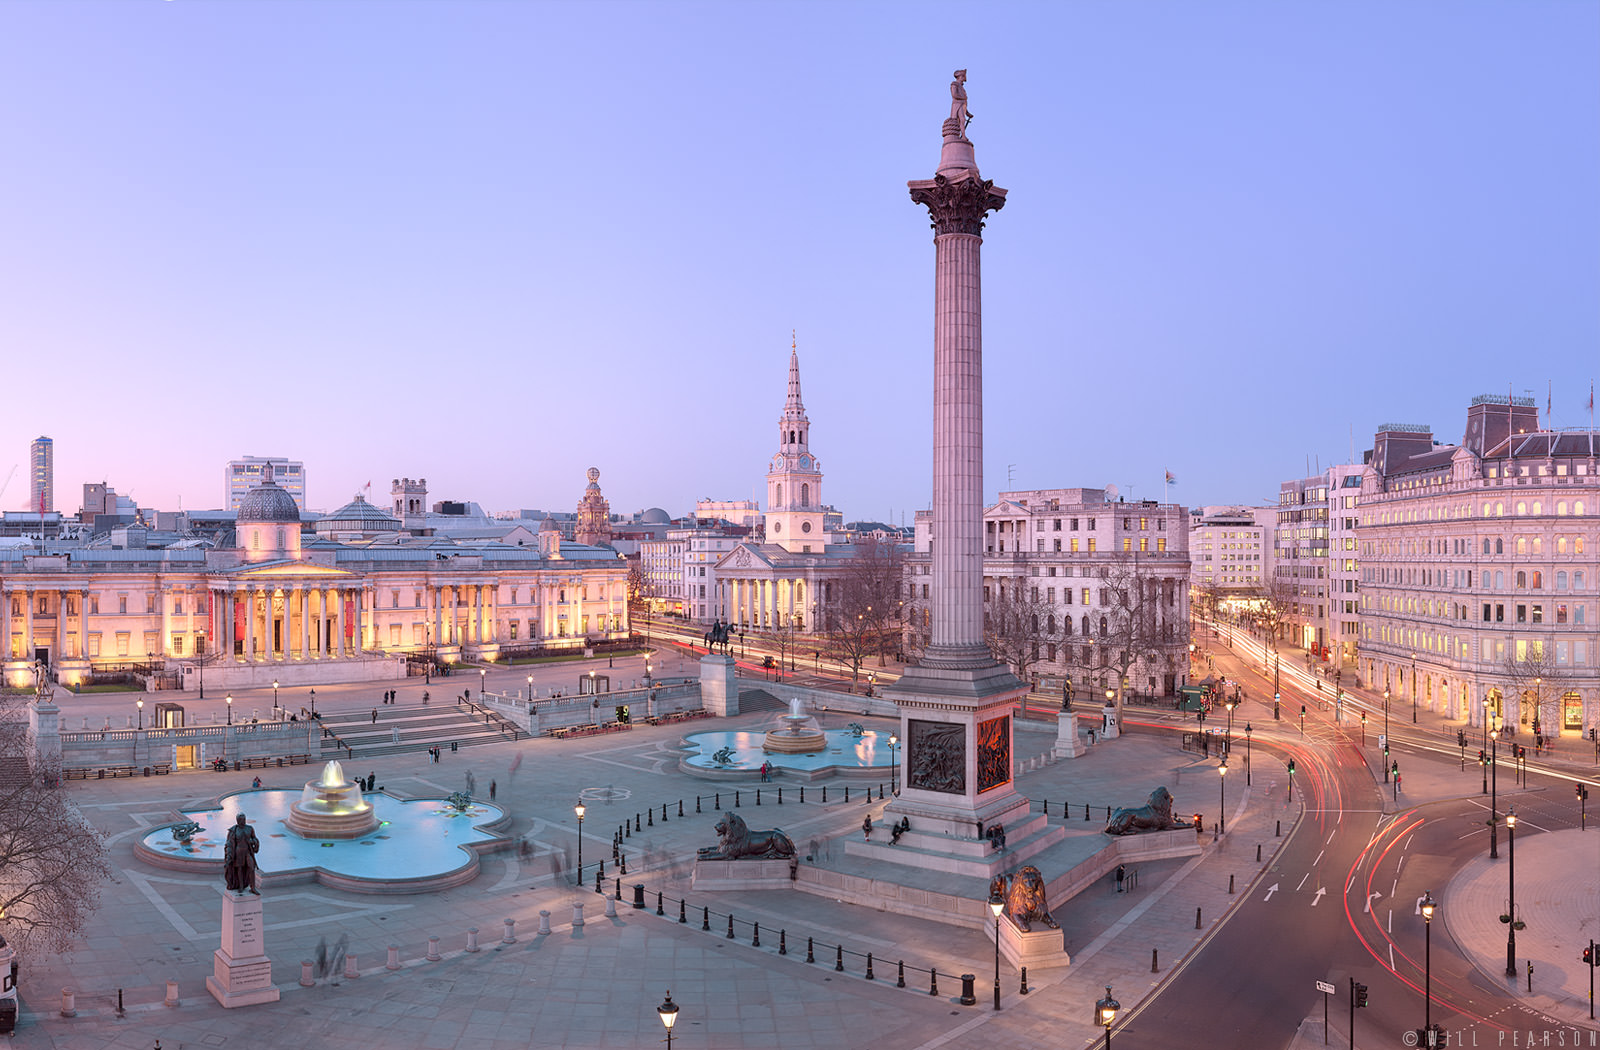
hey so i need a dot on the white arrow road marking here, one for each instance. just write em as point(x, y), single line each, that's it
point(1320, 891)
point(1374, 895)
point(1270, 891)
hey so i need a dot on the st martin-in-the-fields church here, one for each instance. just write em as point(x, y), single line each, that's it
point(788, 581)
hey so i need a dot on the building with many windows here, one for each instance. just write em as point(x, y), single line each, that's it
point(1078, 586)
point(1478, 570)
point(1231, 550)
point(284, 604)
point(242, 475)
point(42, 476)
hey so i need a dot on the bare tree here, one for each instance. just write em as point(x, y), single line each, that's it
point(1131, 630)
point(1540, 683)
point(864, 618)
point(52, 860)
point(1017, 623)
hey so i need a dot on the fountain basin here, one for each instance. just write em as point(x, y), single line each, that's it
point(331, 807)
point(843, 754)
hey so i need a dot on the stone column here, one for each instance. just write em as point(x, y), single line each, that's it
point(250, 624)
point(338, 621)
point(27, 626)
point(83, 625)
point(164, 596)
point(303, 600)
point(61, 625)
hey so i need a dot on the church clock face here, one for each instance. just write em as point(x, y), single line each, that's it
point(777, 526)
point(805, 526)
point(805, 462)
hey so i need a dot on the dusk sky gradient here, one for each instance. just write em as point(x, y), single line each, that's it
point(493, 244)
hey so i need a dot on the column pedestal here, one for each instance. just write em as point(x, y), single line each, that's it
point(242, 973)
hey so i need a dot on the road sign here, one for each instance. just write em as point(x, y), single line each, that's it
point(1324, 987)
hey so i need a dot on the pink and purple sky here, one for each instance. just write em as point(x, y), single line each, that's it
point(493, 244)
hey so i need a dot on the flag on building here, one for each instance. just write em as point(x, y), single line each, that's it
point(1170, 479)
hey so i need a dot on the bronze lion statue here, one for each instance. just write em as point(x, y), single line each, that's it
point(737, 842)
point(1024, 898)
point(1154, 815)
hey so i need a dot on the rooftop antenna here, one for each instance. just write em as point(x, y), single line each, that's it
point(1010, 472)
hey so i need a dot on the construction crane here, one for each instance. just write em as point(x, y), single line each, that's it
point(7, 481)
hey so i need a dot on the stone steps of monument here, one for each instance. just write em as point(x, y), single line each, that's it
point(757, 699)
point(420, 728)
point(15, 772)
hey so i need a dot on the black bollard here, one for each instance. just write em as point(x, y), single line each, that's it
point(638, 895)
point(838, 960)
point(718, 800)
point(659, 909)
point(627, 830)
point(619, 889)
point(1197, 918)
point(783, 942)
point(1230, 885)
point(705, 919)
point(650, 820)
point(869, 967)
point(597, 887)
point(900, 981)
point(1086, 811)
point(683, 911)
point(622, 865)
point(824, 792)
point(1258, 853)
point(933, 981)
point(697, 803)
point(1278, 834)
point(602, 868)
point(780, 796)
point(1044, 807)
point(802, 793)
point(636, 826)
point(967, 996)
point(664, 813)
point(810, 956)
point(730, 927)
point(1024, 980)
point(1154, 957)
point(755, 937)
point(1108, 814)
point(736, 800)
point(847, 794)
point(758, 796)
point(680, 807)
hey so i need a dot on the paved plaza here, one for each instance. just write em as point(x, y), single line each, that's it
point(598, 985)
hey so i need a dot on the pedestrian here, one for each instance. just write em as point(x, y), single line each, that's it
point(491, 790)
point(374, 716)
point(866, 828)
point(256, 782)
point(424, 698)
point(1122, 873)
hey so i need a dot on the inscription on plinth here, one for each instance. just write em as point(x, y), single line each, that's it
point(242, 934)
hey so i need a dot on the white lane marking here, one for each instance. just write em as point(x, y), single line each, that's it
point(1303, 879)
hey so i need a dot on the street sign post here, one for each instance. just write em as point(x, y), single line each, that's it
point(1326, 989)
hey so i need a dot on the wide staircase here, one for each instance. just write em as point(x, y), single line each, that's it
point(754, 698)
point(15, 772)
point(420, 728)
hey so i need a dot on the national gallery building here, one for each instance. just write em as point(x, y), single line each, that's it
point(296, 607)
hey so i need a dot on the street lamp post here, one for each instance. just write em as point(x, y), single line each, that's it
point(668, 1012)
point(1413, 688)
point(1511, 893)
point(140, 705)
point(894, 769)
point(313, 703)
point(230, 708)
point(1485, 790)
point(997, 904)
point(1494, 792)
point(1428, 906)
point(1222, 797)
point(1386, 735)
point(579, 810)
point(274, 694)
point(1247, 754)
point(1230, 705)
point(483, 681)
point(201, 660)
point(530, 688)
point(1105, 1012)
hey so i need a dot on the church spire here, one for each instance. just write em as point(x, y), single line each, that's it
point(793, 408)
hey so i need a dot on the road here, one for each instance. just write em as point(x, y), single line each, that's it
point(1343, 899)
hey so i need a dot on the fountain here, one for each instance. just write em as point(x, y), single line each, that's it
point(331, 808)
point(801, 734)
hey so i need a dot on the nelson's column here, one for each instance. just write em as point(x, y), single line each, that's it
point(955, 705)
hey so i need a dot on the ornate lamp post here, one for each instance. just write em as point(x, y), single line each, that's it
point(1222, 796)
point(313, 703)
point(1494, 793)
point(230, 708)
point(894, 769)
point(1105, 1011)
point(1247, 754)
point(1386, 735)
point(580, 811)
point(140, 705)
point(1511, 892)
point(1413, 688)
point(1230, 704)
point(1428, 906)
point(997, 904)
point(201, 660)
point(530, 688)
point(1485, 790)
point(483, 681)
point(668, 1011)
point(275, 694)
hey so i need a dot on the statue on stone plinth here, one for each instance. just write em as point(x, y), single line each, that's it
point(958, 103)
point(239, 857)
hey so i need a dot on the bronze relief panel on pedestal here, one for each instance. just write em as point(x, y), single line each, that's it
point(994, 753)
point(936, 757)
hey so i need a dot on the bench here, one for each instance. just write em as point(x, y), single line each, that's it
point(76, 773)
point(119, 771)
point(162, 768)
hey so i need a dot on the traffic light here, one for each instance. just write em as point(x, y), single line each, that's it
point(1361, 995)
point(1291, 767)
point(1588, 955)
point(1396, 769)
point(1482, 758)
point(1581, 791)
point(1592, 735)
point(1461, 738)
